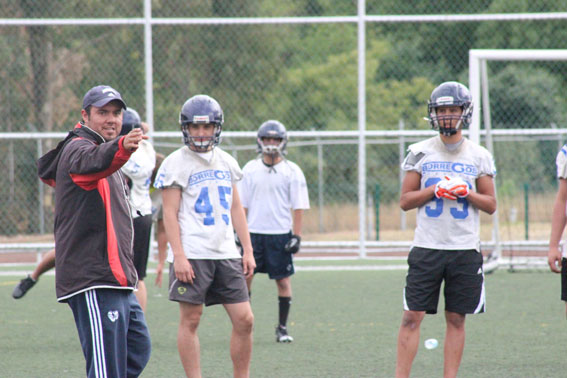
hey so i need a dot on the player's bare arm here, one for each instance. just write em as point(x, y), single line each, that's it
point(297, 221)
point(162, 251)
point(241, 227)
point(412, 195)
point(171, 200)
point(484, 198)
point(558, 222)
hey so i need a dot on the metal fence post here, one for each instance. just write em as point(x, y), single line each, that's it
point(401, 153)
point(377, 210)
point(320, 183)
point(41, 193)
point(526, 211)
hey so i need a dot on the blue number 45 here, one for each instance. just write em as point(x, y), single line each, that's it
point(203, 204)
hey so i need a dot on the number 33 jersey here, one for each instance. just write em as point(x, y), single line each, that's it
point(444, 223)
point(206, 181)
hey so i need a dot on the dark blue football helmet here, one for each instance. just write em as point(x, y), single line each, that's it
point(450, 93)
point(201, 109)
point(130, 120)
point(272, 129)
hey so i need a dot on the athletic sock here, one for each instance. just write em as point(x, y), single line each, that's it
point(284, 305)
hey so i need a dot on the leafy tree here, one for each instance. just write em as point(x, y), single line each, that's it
point(38, 42)
point(522, 96)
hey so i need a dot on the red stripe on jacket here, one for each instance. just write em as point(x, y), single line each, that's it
point(112, 244)
point(49, 182)
point(90, 181)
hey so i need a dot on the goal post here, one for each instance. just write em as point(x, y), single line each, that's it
point(478, 85)
point(479, 57)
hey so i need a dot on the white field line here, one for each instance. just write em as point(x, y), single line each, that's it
point(503, 263)
point(321, 268)
point(344, 268)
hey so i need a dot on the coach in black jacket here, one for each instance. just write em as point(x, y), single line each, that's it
point(94, 235)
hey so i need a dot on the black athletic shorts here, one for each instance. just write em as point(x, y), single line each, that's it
point(460, 270)
point(270, 255)
point(142, 232)
point(564, 279)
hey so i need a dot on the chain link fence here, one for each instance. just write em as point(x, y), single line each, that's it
point(298, 62)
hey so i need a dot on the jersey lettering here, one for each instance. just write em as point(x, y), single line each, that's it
point(449, 168)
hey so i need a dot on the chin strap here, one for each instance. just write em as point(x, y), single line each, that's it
point(271, 166)
point(448, 131)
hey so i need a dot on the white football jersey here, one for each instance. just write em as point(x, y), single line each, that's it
point(561, 163)
point(206, 200)
point(444, 223)
point(139, 169)
point(270, 194)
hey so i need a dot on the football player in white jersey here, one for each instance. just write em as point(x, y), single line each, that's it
point(449, 179)
point(138, 170)
point(200, 207)
point(274, 195)
point(557, 262)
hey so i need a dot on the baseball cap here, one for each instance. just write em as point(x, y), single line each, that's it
point(101, 95)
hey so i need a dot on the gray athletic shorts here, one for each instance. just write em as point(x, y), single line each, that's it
point(462, 273)
point(216, 282)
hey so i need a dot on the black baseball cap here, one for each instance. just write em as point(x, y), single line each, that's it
point(101, 95)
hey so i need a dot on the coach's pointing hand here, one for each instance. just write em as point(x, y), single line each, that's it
point(133, 138)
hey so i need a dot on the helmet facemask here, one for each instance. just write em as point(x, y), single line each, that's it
point(206, 143)
point(272, 149)
point(445, 123)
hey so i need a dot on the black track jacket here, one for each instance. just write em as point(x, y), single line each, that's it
point(93, 227)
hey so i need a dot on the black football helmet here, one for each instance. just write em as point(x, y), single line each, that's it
point(450, 93)
point(201, 109)
point(272, 129)
point(130, 120)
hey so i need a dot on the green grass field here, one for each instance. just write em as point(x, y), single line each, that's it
point(344, 322)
